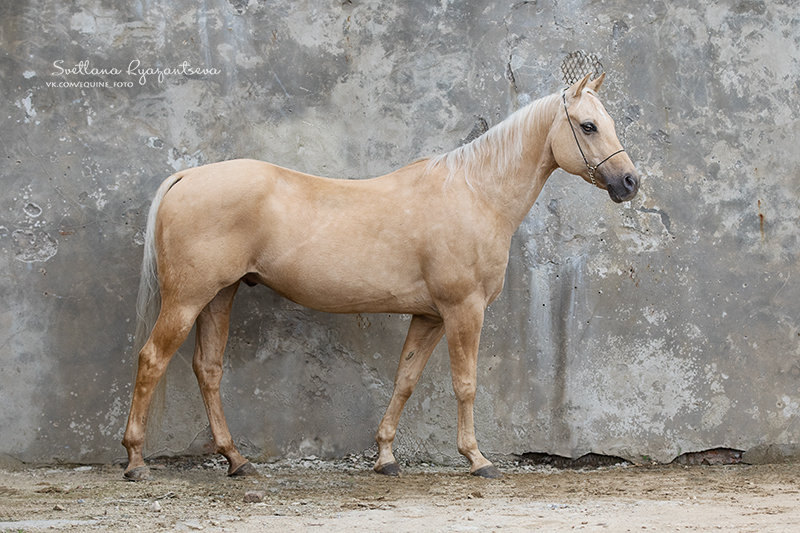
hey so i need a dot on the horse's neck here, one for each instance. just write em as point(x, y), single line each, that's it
point(513, 197)
point(512, 184)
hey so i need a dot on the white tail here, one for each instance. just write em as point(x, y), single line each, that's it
point(148, 301)
point(148, 304)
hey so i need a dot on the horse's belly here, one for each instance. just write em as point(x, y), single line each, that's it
point(337, 292)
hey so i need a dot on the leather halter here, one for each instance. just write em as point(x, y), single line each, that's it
point(592, 168)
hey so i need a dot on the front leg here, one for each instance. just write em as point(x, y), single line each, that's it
point(463, 325)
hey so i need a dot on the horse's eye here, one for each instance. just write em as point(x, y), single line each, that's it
point(589, 127)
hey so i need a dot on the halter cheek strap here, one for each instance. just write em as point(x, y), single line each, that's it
point(591, 168)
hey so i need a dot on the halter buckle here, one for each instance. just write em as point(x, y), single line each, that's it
point(592, 170)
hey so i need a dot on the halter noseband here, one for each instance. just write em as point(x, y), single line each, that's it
point(591, 168)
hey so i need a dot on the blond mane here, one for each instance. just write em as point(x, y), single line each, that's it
point(496, 153)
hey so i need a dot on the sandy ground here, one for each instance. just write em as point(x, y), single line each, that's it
point(344, 495)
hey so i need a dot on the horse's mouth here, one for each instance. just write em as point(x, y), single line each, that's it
point(619, 199)
point(623, 189)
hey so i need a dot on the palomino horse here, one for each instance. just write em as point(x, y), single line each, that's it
point(430, 239)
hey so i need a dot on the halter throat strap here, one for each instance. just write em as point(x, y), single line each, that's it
point(591, 168)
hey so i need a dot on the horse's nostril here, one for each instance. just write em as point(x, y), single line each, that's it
point(630, 182)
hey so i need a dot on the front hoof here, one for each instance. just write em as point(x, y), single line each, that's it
point(244, 470)
point(140, 473)
point(488, 472)
point(389, 469)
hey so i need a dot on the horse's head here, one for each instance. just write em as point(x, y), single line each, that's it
point(584, 142)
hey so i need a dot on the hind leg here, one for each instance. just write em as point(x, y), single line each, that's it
point(173, 325)
point(424, 334)
point(212, 335)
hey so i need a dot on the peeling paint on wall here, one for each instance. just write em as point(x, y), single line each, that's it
point(32, 247)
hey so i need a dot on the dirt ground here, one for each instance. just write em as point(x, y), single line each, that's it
point(345, 495)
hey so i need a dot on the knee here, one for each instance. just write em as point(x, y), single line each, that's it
point(207, 373)
point(464, 389)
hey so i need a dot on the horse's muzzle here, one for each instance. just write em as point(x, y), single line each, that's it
point(623, 188)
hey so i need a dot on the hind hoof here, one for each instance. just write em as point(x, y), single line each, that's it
point(488, 472)
point(140, 473)
point(245, 470)
point(389, 469)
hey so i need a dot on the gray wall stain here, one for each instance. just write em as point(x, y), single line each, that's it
point(663, 326)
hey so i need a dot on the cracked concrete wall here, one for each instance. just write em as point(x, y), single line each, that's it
point(662, 326)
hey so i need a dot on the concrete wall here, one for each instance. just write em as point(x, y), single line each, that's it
point(645, 330)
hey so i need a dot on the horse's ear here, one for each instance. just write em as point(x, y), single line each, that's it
point(577, 87)
point(597, 82)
